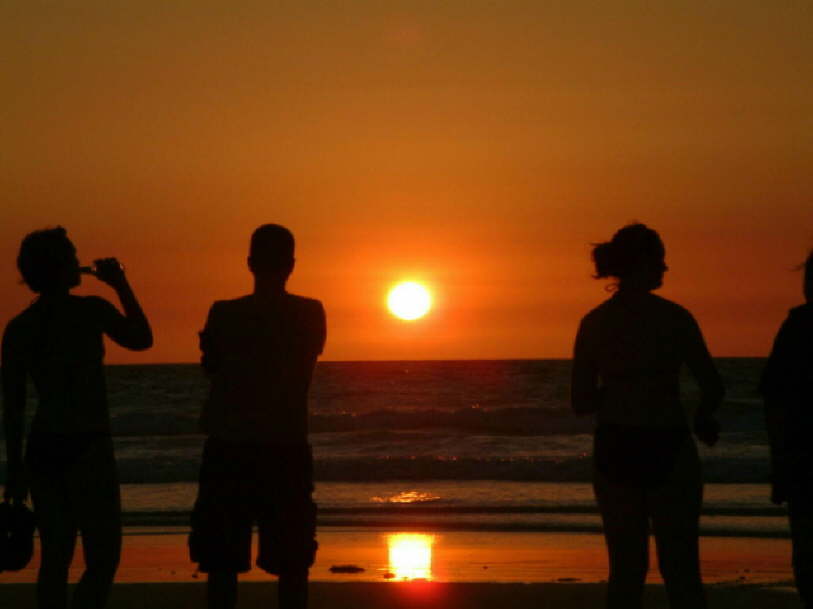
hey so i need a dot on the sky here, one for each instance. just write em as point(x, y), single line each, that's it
point(479, 147)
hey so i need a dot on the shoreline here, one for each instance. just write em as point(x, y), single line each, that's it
point(453, 524)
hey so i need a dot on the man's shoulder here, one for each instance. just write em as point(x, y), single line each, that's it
point(231, 305)
point(20, 323)
point(804, 311)
point(292, 306)
point(305, 304)
point(91, 305)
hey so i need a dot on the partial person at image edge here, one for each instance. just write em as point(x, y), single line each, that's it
point(787, 389)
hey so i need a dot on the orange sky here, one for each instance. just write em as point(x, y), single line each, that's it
point(478, 146)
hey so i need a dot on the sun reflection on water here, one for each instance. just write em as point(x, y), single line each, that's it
point(410, 556)
point(406, 497)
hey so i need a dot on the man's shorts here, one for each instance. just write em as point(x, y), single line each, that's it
point(246, 483)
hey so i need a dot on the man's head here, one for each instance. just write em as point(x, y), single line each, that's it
point(271, 254)
point(47, 261)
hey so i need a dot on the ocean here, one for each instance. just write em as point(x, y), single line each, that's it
point(486, 445)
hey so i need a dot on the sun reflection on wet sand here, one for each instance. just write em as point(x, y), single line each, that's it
point(410, 556)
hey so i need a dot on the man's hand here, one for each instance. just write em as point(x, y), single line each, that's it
point(779, 491)
point(707, 429)
point(110, 271)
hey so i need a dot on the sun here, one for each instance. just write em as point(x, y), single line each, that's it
point(409, 300)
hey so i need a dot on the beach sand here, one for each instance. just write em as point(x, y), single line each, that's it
point(460, 569)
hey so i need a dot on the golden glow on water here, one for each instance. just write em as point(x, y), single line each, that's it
point(410, 556)
point(409, 300)
point(406, 497)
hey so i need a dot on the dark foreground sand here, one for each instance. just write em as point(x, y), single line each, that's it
point(417, 595)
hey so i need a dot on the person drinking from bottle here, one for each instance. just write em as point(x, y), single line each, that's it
point(68, 463)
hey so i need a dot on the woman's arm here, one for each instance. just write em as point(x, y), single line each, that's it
point(585, 393)
point(712, 391)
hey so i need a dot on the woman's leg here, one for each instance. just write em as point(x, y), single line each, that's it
point(57, 532)
point(94, 489)
point(800, 511)
point(626, 532)
point(221, 590)
point(675, 510)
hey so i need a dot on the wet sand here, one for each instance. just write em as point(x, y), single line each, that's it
point(438, 569)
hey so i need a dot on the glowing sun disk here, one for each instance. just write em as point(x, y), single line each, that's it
point(409, 300)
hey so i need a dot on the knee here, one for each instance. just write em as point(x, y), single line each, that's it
point(629, 567)
point(103, 567)
point(51, 568)
point(56, 559)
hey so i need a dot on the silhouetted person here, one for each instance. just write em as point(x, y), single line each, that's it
point(259, 352)
point(787, 386)
point(627, 359)
point(69, 463)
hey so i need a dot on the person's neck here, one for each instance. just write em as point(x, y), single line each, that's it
point(632, 290)
point(268, 288)
point(55, 295)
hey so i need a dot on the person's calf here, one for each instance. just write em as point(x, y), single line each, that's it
point(221, 590)
point(293, 589)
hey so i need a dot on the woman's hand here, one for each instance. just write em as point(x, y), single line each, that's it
point(707, 429)
point(16, 489)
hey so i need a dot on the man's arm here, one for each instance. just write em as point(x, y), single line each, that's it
point(131, 330)
point(14, 374)
point(320, 323)
point(209, 353)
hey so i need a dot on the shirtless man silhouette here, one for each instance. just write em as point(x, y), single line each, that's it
point(69, 462)
point(259, 352)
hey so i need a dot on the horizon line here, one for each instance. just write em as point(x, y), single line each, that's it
point(437, 360)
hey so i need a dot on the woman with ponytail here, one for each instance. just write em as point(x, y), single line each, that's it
point(627, 360)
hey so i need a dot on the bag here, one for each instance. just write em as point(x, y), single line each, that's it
point(17, 524)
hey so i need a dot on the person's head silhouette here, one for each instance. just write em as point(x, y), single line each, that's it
point(271, 254)
point(809, 278)
point(635, 256)
point(48, 262)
